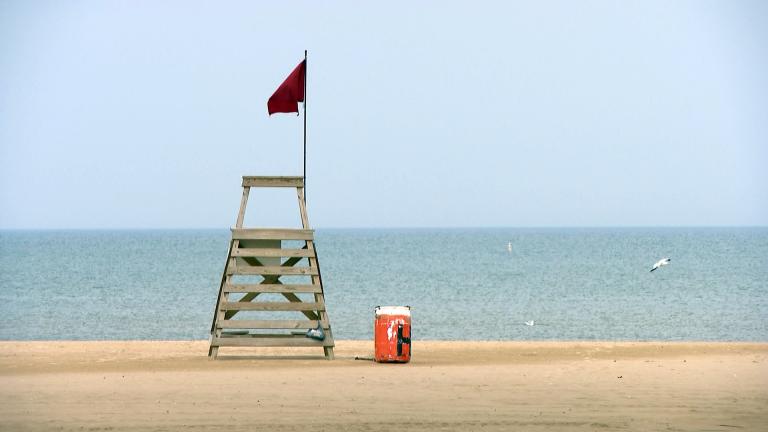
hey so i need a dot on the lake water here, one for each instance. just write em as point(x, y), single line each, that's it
point(575, 284)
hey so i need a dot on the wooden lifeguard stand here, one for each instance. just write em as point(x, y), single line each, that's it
point(259, 252)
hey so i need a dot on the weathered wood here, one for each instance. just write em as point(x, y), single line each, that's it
point(253, 261)
point(272, 306)
point(221, 287)
point(294, 298)
point(243, 205)
point(313, 263)
point(271, 288)
point(290, 296)
point(234, 244)
point(273, 181)
point(218, 315)
point(276, 279)
point(259, 245)
point(272, 234)
point(272, 271)
point(265, 252)
point(267, 280)
point(302, 207)
point(247, 256)
point(292, 341)
point(271, 324)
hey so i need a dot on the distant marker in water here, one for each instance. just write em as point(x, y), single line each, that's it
point(509, 247)
point(530, 323)
point(661, 263)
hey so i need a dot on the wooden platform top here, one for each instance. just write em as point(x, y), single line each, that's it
point(273, 181)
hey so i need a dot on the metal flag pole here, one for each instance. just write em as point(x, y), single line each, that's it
point(305, 127)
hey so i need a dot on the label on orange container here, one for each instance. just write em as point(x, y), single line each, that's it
point(392, 334)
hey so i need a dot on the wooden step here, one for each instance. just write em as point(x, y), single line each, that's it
point(272, 253)
point(272, 234)
point(272, 306)
point(271, 288)
point(288, 341)
point(270, 324)
point(273, 181)
point(271, 270)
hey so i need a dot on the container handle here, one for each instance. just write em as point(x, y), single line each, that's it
point(401, 340)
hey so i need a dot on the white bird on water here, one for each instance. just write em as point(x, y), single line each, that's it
point(529, 323)
point(661, 263)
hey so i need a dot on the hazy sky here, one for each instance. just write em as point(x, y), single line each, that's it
point(144, 114)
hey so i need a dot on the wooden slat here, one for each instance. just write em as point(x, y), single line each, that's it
point(294, 298)
point(272, 271)
point(316, 279)
point(271, 279)
point(273, 181)
point(294, 341)
point(271, 324)
point(265, 252)
point(271, 288)
point(272, 234)
point(272, 306)
point(243, 205)
point(263, 259)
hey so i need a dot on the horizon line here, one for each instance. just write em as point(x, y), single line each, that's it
point(379, 227)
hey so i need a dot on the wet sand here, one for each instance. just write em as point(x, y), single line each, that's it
point(448, 386)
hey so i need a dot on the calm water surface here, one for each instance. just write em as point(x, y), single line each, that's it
point(462, 283)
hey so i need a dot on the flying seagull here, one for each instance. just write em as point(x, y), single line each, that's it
point(661, 263)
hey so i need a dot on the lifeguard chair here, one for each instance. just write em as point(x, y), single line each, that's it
point(257, 260)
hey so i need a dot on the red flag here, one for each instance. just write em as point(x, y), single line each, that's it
point(287, 97)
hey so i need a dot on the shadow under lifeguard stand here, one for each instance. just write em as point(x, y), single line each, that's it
point(258, 258)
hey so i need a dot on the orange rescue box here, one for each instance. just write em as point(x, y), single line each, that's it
point(392, 334)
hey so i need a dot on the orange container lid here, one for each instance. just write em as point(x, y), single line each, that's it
point(393, 310)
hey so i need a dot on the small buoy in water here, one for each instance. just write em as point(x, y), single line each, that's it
point(509, 247)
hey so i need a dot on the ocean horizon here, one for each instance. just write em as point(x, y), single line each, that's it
point(574, 283)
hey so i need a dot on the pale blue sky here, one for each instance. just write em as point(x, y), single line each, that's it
point(144, 114)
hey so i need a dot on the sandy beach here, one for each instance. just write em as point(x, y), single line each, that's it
point(490, 386)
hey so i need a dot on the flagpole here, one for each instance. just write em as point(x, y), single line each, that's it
point(305, 127)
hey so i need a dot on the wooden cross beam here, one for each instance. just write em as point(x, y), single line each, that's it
point(252, 256)
point(272, 279)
